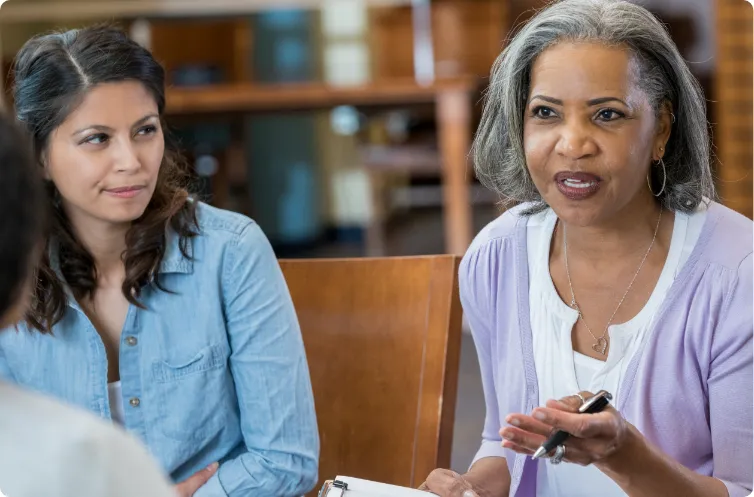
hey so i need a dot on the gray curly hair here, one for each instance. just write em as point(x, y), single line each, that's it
point(498, 148)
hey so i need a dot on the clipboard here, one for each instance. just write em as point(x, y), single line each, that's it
point(347, 486)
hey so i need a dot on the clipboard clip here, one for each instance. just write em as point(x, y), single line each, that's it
point(331, 487)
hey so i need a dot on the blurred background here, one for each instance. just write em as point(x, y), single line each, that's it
point(342, 126)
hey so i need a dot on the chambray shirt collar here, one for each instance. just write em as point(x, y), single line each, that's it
point(172, 262)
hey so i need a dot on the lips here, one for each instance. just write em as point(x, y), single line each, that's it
point(577, 185)
point(125, 191)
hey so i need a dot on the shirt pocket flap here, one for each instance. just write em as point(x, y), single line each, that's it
point(210, 357)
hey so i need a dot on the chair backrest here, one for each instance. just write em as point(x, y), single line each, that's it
point(382, 338)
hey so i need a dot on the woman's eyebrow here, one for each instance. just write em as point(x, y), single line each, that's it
point(590, 103)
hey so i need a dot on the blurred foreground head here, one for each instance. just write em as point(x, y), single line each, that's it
point(21, 220)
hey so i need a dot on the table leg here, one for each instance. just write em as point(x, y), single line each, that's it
point(453, 109)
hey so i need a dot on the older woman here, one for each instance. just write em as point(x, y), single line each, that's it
point(616, 271)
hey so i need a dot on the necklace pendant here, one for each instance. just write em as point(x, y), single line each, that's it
point(600, 346)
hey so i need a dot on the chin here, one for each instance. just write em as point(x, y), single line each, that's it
point(124, 215)
point(579, 213)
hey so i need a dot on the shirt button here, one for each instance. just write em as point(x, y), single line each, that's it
point(134, 402)
point(131, 341)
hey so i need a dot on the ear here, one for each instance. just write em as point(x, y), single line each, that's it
point(665, 122)
point(43, 163)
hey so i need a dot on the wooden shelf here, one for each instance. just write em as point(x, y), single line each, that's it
point(24, 11)
point(417, 159)
point(248, 97)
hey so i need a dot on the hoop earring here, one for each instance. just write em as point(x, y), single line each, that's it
point(664, 180)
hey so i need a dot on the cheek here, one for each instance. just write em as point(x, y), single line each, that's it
point(537, 146)
point(626, 159)
point(152, 156)
point(75, 173)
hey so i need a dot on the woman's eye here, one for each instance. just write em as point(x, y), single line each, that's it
point(609, 115)
point(97, 139)
point(147, 130)
point(543, 112)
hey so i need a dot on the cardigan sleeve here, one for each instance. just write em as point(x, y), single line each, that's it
point(476, 292)
point(730, 387)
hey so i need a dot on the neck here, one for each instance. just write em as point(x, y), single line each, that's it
point(626, 233)
point(106, 243)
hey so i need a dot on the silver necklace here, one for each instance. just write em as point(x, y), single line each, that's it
point(600, 344)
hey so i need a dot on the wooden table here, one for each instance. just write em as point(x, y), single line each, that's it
point(453, 104)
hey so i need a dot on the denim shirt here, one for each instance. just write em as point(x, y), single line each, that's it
point(215, 371)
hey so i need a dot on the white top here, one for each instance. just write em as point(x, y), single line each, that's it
point(561, 371)
point(115, 395)
point(50, 449)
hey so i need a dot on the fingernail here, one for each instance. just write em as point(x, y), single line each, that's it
point(507, 435)
point(469, 493)
point(514, 422)
point(213, 466)
point(539, 415)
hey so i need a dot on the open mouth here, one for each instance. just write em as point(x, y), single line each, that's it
point(577, 185)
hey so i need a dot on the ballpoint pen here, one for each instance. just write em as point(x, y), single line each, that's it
point(592, 406)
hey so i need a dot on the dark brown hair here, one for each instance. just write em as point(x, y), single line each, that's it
point(52, 73)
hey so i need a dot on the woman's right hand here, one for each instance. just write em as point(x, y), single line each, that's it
point(191, 484)
point(447, 483)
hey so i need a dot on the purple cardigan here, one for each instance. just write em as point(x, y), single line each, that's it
point(689, 387)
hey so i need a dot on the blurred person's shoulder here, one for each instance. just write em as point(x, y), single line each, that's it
point(47, 448)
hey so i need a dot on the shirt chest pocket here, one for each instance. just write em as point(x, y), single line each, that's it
point(192, 394)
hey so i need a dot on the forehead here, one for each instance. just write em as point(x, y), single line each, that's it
point(582, 71)
point(113, 105)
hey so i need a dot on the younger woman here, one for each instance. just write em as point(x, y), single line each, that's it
point(167, 315)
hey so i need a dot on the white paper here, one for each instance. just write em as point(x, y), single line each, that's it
point(365, 488)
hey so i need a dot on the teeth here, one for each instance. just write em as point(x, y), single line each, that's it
point(574, 183)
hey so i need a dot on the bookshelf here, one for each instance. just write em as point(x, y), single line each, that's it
point(218, 34)
point(453, 101)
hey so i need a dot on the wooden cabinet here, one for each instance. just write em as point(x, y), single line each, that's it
point(221, 43)
point(467, 38)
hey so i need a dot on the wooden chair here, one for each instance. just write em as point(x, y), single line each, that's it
point(382, 338)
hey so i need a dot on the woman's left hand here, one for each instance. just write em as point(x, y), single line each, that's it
point(595, 438)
